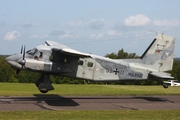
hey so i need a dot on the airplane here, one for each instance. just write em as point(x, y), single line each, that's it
point(57, 59)
point(171, 82)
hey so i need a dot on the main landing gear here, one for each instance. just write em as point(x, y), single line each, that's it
point(43, 83)
point(165, 85)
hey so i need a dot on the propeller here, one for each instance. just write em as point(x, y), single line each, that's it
point(24, 53)
point(21, 49)
point(22, 61)
point(17, 71)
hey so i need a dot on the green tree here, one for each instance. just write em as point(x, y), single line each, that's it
point(176, 70)
point(5, 70)
point(121, 55)
point(7, 74)
point(12, 79)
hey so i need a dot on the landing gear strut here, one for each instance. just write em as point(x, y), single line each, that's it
point(43, 83)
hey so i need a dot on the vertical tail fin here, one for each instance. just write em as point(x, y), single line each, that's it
point(159, 55)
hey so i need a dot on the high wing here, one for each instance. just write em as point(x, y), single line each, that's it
point(66, 50)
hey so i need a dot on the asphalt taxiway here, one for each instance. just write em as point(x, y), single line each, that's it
point(56, 102)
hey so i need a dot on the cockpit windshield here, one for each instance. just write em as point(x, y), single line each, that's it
point(32, 51)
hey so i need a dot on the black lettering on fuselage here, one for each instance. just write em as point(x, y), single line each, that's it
point(138, 75)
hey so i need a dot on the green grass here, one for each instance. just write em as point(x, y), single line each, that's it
point(92, 115)
point(22, 89)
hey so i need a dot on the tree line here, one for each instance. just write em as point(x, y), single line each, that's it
point(7, 74)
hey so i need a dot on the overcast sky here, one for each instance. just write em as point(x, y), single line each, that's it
point(92, 26)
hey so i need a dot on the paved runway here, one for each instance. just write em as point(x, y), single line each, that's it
point(55, 102)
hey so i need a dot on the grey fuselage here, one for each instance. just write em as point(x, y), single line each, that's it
point(58, 59)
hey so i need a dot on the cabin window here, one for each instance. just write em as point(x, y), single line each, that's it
point(80, 62)
point(90, 64)
point(51, 58)
point(66, 60)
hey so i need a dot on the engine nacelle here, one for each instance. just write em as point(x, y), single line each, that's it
point(36, 65)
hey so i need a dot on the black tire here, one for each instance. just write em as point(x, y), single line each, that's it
point(43, 91)
point(165, 86)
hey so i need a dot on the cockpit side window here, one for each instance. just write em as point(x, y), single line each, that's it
point(38, 55)
point(32, 51)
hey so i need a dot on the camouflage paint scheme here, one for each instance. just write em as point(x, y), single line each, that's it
point(58, 59)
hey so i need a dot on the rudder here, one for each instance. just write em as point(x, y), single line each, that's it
point(159, 55)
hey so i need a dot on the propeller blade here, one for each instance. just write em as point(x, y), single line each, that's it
point(22, 61)
point(17, 71)
point(24, 52)
point(21, 49)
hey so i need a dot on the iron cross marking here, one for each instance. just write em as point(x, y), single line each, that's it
point(116, 71)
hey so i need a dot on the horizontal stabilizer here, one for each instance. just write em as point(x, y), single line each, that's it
point(172, 82)
point(161, 75)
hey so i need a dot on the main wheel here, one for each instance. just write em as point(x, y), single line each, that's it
point(165, 85)
point(43, 91)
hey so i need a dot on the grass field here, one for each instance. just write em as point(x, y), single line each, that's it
point(22, 89)
point(92, 115)
point(19, 89)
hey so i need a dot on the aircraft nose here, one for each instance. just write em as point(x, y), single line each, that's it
point(13, 60)
point(10, 58)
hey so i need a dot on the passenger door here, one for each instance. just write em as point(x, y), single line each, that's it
point(86, 68)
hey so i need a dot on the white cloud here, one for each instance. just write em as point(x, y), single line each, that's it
point(105, 34)
point(35, 36)
point(58, 32)
point(101, 35)
point(74, 23)
point(2, 24)
point(137, 20)
point(28, 25)
point(61, 34)
point(166, 23)
point(113, 33)
point(96, 24)
point(97, 36)
point(67, 34)
point(11, 35)
point(92, 35)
